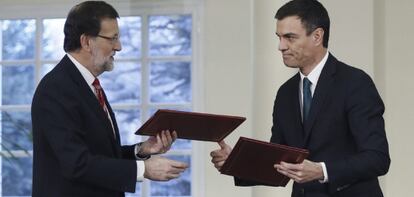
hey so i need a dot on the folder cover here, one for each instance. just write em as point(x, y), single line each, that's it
point(253, 160)
point(191, 125)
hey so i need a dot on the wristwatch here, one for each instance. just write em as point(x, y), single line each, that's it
point(137, 150)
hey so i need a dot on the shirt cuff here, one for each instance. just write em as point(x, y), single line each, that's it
point(140, 171)
point(325, 173)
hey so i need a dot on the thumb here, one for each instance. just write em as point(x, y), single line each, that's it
point(223, 144)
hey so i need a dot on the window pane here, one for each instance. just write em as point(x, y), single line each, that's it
point(123, 84)
point(18, 39)
point(170, 82)
point(17, 84)
point(130, 32)
point(45, 69)
point(16, 174)
point(170, 35)
point(175, 187)
point(52, 39)
point(128, 122)
point(16, 131)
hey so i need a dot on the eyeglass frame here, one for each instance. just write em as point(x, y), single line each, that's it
point(113, 40)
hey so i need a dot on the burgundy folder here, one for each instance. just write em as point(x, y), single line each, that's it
point(253, 160)
point(191, 125)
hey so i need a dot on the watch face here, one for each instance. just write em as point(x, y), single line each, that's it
point(137, 150)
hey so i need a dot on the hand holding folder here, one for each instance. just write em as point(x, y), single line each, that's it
point(254, 160)
point(191, 125)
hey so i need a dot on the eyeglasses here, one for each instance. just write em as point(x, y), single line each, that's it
point(113, 40)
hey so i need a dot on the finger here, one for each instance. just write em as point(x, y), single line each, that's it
point(218, 165)
point(289, 170)
point(174, 135)
point(297, 176)
point(169, 137)
point(177, 164)
point(287, 173)
point(291, 166)
point(164, 139)
point(168, 140)
point(173, 176)
point(158, 136)
point(217, 153)
point(176, 170)
point(223, 144)
point(218, 159)
point(284, 170)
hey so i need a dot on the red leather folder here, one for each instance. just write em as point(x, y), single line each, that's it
point(191, 125)
point(253, 160)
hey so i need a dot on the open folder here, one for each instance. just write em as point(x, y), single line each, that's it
point(253, 160)
point(191, 125)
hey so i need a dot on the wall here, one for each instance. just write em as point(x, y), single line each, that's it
point(227, 63)
point(396, 72)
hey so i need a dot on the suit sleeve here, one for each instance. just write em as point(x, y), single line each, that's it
point(364, 110)
point(56, 118)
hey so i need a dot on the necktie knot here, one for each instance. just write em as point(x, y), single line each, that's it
point(307, 97)
point(96, 84)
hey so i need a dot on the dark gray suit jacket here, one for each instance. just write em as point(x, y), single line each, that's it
point(75, 152)
point(345, 129)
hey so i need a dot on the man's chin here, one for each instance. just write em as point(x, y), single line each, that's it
point(290, 65)
point(108, 67)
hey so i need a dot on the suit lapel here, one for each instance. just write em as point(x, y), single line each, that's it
point(93, 102)
point(112, 115)
point(323, 88)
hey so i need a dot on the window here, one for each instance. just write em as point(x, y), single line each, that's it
point(154, 70)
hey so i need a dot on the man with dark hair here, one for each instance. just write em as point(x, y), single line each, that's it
point(329, 108)
point(76, 142)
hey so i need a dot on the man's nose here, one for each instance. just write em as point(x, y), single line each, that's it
point(118, 45)
point(282, 45)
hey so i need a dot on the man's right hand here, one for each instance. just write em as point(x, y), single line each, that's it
point(219, 156)
point(162, 169)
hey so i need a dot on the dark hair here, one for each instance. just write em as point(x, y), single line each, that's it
point(311, 13)
point(85, 18)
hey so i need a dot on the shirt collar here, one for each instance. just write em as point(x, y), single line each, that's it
point(313, 76)
point(86, 74)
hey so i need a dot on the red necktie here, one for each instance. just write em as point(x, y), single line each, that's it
point(99, 94)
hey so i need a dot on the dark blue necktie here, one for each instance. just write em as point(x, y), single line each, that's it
point(307, 98)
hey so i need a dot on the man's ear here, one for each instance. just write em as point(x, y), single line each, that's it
point(317, 36)
point(85, 42)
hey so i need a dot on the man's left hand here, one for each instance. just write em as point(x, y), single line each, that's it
point(301, 173)
point(158, 144)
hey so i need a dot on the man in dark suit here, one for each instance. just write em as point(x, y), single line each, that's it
point(76, 142)
point(329, 108)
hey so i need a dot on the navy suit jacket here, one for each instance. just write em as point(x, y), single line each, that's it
point(345, 129)
point(75, 152)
